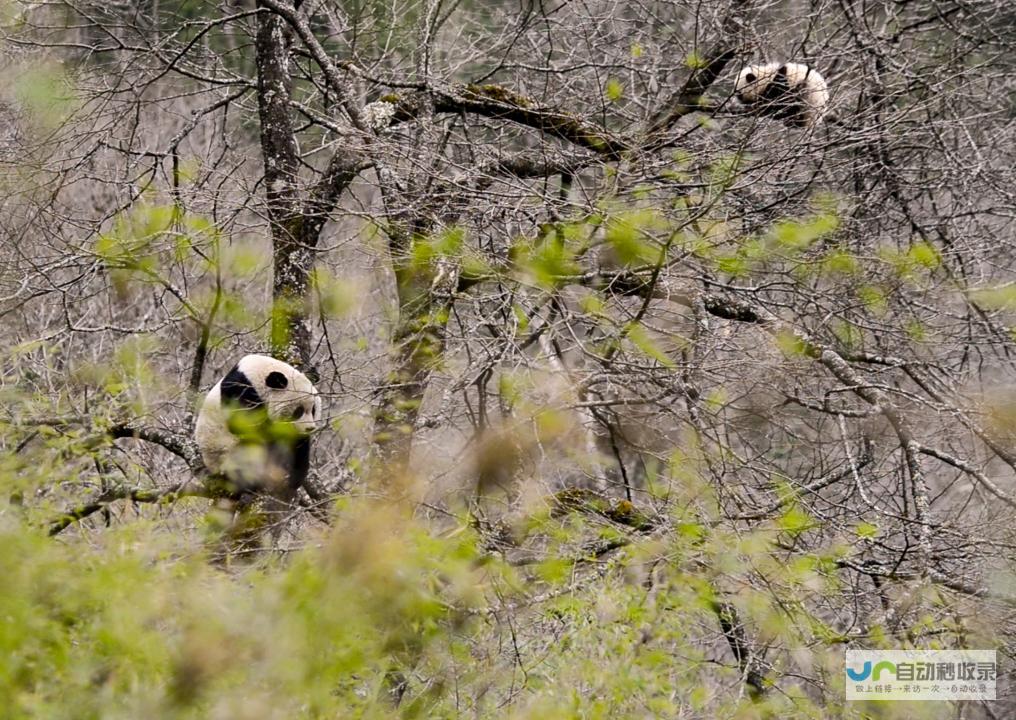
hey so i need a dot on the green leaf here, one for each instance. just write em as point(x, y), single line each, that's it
point(614, 90)
point(725, 171)
point(799, 235)
point(449, 243)
point(44, 90)
point(839, 262)
point(640, 338)
point(874, 298)
point(791, 345)
point(593, 305)
point(916, 330)
point(551, 263)
point(627, 234)
point(554, 570)
point(794, 521)
point(338, 298)
point(733, 265)
point(691, 531)
point(866, 530)
point(695, 60)
point(520, 317)
point(998, 298)
point(925, 254)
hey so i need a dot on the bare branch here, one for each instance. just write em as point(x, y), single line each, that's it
point(164, 496)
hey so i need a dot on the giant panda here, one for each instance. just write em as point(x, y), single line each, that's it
point(792, 92)
point(254, 427)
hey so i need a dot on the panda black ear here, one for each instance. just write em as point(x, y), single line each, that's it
point(276, 380)
point(236, 389)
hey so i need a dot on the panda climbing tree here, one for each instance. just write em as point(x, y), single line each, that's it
point(792, 92)
point(254, 429)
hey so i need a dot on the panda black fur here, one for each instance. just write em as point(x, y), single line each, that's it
point(792, 92)
point(254, 426)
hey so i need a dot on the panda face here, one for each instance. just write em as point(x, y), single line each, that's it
point(753, 81)
point(238, 445)
point(262, 382)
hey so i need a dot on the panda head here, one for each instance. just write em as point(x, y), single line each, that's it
point(259, 382)
point(753, 82)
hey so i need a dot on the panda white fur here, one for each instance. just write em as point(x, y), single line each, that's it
point(254, 426)
point(792, 92)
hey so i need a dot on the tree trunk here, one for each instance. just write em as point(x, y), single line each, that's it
point(425, 297)
point(293, 251)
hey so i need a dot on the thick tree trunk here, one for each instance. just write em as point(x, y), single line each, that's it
point(296, 214)
point(418, 343)
point(293, 250)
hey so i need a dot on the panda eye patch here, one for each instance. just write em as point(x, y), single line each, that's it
point(276, 380)
point(750, 77)
point(298, 413)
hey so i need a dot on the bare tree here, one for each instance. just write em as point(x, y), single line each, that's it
point(578, 270)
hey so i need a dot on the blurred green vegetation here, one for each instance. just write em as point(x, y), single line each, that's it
point(134, 621)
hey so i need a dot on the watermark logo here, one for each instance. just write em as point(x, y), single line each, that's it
point(921, 674)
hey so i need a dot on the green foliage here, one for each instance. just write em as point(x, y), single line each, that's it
point(849, 335)
point(922, 253)
point(839, 262)
point(252, 425)
point(45, 91)
point(866, 530)
point(549, 262)
point(131, 625)
point(427, 250)
point(337, 298)
point(874, 298)
point(916, 330)
point(920, 256)
point(695, 61)
point(637, 334)
point(629, 234)
point(797, 235)
point(789, 242)
point(122, 629)
point(734, 265)
point(791, 345)
point(442, 255)
point(794, 521)
point(149, 238)
point(996, 298)
point(614, 90)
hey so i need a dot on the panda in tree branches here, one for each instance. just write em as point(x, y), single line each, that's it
point(792, 92)
point(254, 426)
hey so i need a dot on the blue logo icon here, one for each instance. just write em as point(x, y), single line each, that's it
point(875, 673)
